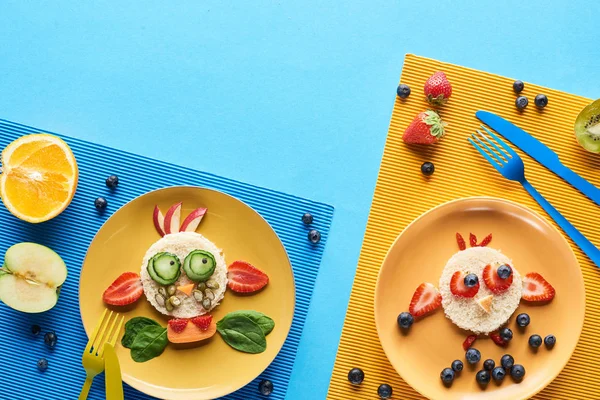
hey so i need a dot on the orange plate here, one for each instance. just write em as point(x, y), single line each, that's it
point(212, 369)
point(419, 255)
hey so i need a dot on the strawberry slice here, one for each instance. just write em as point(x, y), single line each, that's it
point(536, 288)
point(178, 324)
point(461, 242)
point(495, 336)
point(469, 341)
point(496, 284)
point(458, 287)
point(126, 289)
point(245, 278)
point(472, 240)
point(486, 240)
point(425, 300)
point(203, 321)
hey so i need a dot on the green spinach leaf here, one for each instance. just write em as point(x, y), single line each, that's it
point(242, 334)
point(150, 342)
point(266, 323)
point(133, 327)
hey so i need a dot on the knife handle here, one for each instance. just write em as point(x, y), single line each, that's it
point(584, 244)
point(585, 187)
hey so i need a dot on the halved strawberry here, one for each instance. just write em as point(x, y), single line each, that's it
point(426, 299)
point(495, 336)
point(178, 324)
point(245, 278)
point(496, 284)
point(536, 288)
point(203, 321)
point(126, 289)
point(458, 287)
point(469, 341)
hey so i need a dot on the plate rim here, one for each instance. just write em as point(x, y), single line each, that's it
point(549, 378)
point(132, 381)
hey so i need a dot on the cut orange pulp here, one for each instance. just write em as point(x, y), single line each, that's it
point(39, 177)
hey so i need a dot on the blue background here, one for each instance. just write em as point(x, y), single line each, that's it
point(294, 96)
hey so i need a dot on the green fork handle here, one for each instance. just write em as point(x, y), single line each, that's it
point(86, 388)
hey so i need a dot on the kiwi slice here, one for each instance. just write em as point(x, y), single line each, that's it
point(199, 265)
point(164, 268)
point(587, 127)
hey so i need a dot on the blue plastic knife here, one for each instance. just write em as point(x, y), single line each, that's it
point(539, 152)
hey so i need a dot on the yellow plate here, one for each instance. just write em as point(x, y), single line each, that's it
point(213, 369)
point(419, 255)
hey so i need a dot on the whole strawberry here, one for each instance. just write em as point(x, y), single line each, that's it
point(438, 89)
point(426, 128)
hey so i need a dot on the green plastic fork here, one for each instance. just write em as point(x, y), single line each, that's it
point(93, 356)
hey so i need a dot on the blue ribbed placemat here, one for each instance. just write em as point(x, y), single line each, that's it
point(70, 235)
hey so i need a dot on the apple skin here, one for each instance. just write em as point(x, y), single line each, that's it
point(172, 218)
point(159, 221)
point(191, 222)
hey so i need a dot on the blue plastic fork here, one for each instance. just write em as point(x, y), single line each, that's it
point(509, 164)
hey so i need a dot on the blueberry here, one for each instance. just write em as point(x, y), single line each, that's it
point(504, 271)
point(473, 356)
point(535, 341)
point(506, 334)
point(498, 374)
point(518, 86)
point(507, 361)
point(307, 219)
point(521, 102)
point(483, 377)
point(517, 372)
point(384, 391)
point(36, 329)
point(523, 320)
point(100, 203)
point(541, 100)
point(265, 387)
point(550, 341)
point(457, 365)
point(403, 91)
point(405, 320)
point(50, 339)
point(356, 376)
point(471, 280)
point(112, 181)
point(427, 168)
point(314, 236)
point(447, 375)
point(489, 364)
point(42, 364)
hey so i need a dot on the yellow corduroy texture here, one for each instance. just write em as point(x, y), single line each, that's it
point(403, 193)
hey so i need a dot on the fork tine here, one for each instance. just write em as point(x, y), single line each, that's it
point(500, 141)
point(483, 153)
point(88, 347)
point(499, 158)
point(115, 335)
point(100, 339)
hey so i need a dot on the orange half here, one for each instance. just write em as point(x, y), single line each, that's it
point(39, 177)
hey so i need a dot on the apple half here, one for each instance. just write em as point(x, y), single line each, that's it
point(191, 222)
point(31, 277)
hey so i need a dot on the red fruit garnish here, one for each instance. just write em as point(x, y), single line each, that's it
point(536, 288)
point(203, 321)
point(178, 324)
point(469, 341)
point(425, 300)
point(126, 289)
point(495, 336)
point(496, 284)
point(426, 128)
point(438, 89)
point(244, 278)
point(461, 242)
point(472, 240)
point(486, 240)
point(458, 287)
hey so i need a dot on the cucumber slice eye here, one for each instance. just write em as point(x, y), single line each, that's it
point(199, 265)
point(164, 268)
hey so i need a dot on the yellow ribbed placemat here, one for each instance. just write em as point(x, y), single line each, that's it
point(403, 193)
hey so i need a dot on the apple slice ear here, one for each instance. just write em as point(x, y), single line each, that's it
point(172, 218)
point(159, 221)
point(191, 222)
